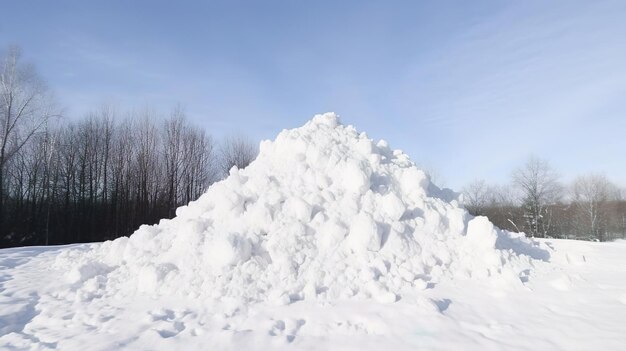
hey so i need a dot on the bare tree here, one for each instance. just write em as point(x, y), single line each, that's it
point(189, 160)
point(148, 162)
point(477, 197)
point(237, 151)
point(200, 167)
point(173, 152)
point(539, 185)
point(24, 109)
point(591, 194)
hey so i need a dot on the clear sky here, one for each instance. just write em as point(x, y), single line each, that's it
point(468, 89)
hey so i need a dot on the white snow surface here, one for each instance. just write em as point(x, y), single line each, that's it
point(576, 301)
point(328, 241)
point(323, 213)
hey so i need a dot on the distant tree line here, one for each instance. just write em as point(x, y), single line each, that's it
point(102, 176)
point(537, 203)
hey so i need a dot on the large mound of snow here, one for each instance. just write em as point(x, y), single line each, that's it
point(322, 213)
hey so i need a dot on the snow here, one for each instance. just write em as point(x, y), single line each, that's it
point(325, 237)
point(576, 301)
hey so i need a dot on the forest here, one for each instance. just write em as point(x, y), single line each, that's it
point(101, 176)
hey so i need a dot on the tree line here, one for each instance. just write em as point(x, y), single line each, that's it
point(536, 202)
point(99, 177)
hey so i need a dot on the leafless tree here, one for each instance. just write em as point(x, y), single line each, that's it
point(201, 165)
point(590, 195)
point(237, 151)
point(477, 197)
point(173, 152)
point(24, 110)
point(539, 186)
point(190, 164)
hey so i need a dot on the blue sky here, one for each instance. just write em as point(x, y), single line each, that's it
point(469, 89)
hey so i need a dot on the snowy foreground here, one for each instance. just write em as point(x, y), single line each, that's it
point(575, 301)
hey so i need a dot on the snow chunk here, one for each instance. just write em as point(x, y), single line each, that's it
point(482, 232)
point(329, 119)
point(152, 276)
point(392, 207)
point(227, 250)
point(331, 234)
point(299, 209)
point(355, 178)
point(364, 234)
point(87, 271)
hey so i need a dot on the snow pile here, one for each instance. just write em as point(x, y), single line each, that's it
point(323, 212)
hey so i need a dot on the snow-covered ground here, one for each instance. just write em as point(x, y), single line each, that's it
point(328, 240)
point(575, 301)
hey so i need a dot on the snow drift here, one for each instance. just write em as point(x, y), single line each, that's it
point(322, 213)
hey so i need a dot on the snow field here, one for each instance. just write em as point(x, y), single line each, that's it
point(41, 311)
